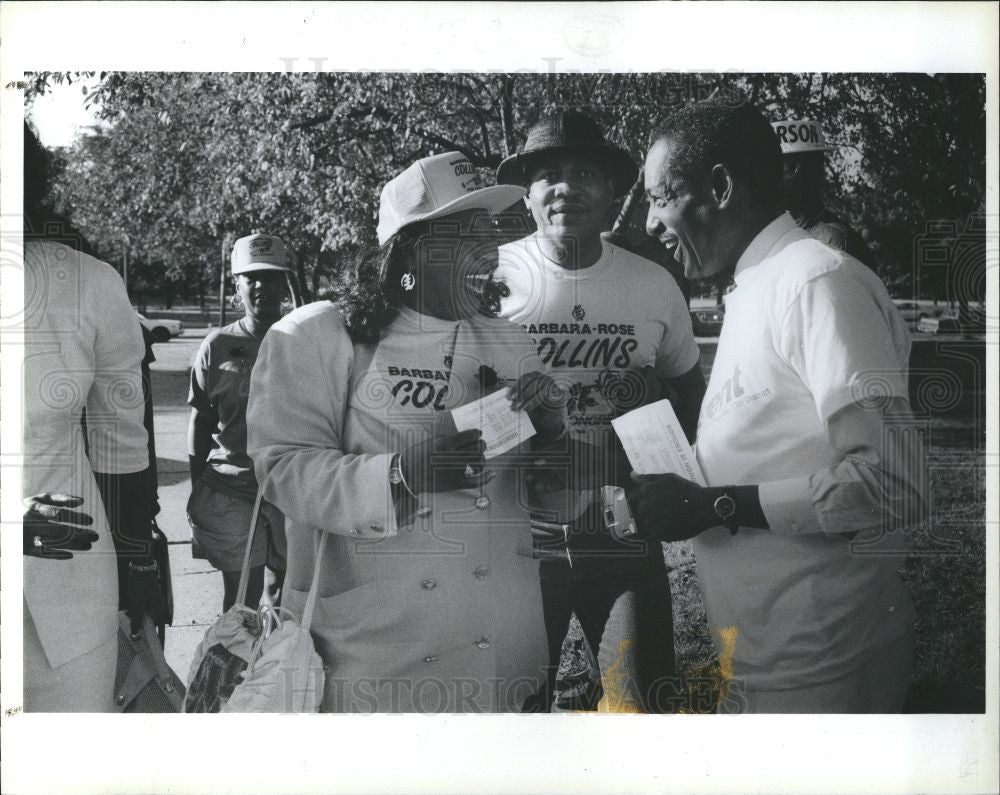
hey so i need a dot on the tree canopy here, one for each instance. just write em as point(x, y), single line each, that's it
point(184, 163)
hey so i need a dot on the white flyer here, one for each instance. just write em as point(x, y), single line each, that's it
point(502, 427)
point(655, 442)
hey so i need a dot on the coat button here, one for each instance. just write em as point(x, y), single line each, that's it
point(481, 572)
point(430, 658)
point(483, 642)
point(429, 585)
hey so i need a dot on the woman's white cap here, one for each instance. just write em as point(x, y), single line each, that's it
point(437, 186)
point(258, 253)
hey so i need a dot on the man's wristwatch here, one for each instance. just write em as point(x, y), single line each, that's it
point(725, 508)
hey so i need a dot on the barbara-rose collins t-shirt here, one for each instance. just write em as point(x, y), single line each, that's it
point(611, 319)
point(808, 331)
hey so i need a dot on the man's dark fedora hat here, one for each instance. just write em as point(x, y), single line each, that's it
point(567, 132)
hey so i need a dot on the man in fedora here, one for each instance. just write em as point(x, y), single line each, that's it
point(803, 150)
point(616, 333)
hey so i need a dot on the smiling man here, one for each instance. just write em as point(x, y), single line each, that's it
point(805, 436)
point(615, 331)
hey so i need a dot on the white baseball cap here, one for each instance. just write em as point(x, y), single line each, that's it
point(258, 253)
point(437, 186)
point(797, 136)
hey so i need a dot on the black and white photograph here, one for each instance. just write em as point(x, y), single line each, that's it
point(569, 418)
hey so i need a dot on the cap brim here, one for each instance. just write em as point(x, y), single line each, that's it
point(511, 170)
point(258, 266)
point(493, 199)
point(810, 150)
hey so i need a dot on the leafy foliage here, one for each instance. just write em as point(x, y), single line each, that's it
point(186, 162)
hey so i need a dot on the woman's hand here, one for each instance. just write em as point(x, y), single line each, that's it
point(47, 533)
point(445, 463)
point(544, 401)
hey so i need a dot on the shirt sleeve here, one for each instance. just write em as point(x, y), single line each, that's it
point(841, 344)
point(199, 389)
point(677, 352)
point(880, 484)
point(295, 418)
point(116, 434)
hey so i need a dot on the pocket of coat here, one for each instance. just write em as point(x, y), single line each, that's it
point(344, 609)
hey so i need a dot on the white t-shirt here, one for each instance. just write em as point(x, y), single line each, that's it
point(808, 331)
point(622, 313)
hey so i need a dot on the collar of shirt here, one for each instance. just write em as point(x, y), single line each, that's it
point(578, 274)
point(420, 322)
point(767, 240)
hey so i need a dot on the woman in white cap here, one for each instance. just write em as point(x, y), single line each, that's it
point(429, 597)
point(223, 485)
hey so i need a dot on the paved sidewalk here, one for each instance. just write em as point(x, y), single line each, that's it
point(197, 586)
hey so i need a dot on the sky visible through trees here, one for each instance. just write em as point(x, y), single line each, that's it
point(184, 163)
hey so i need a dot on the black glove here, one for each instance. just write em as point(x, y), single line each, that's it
point(445, 463)
point(670, 508)
point(46, 532)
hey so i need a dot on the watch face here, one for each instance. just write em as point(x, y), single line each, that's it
point(725, 506)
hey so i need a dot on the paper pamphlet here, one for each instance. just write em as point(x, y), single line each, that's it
point(502, 427)
point(655, 442)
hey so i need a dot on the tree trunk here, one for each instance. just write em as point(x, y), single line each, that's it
point(222, 280)
point(632, 201)
point(507, 114)
point(300, 273)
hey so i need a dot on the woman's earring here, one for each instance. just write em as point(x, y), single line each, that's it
point(408, 281)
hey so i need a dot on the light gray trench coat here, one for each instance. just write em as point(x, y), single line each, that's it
point(440, 611)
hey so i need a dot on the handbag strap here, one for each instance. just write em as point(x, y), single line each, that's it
point(363, 355)
point(241, 592)
point(307, 612)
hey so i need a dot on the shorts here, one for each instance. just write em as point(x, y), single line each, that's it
point(220, 522)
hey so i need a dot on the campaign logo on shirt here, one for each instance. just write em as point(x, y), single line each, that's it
point(420, 387)
point(582, 345)
point(731, 395)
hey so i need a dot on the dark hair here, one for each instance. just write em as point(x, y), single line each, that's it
point(368, 290)
point(41, 221)
point(737, 136)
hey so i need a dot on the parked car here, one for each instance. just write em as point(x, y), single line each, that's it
point(162, 329)
point(707, 322)
point(951, 322)
point(913, 313)
point(946, 324)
